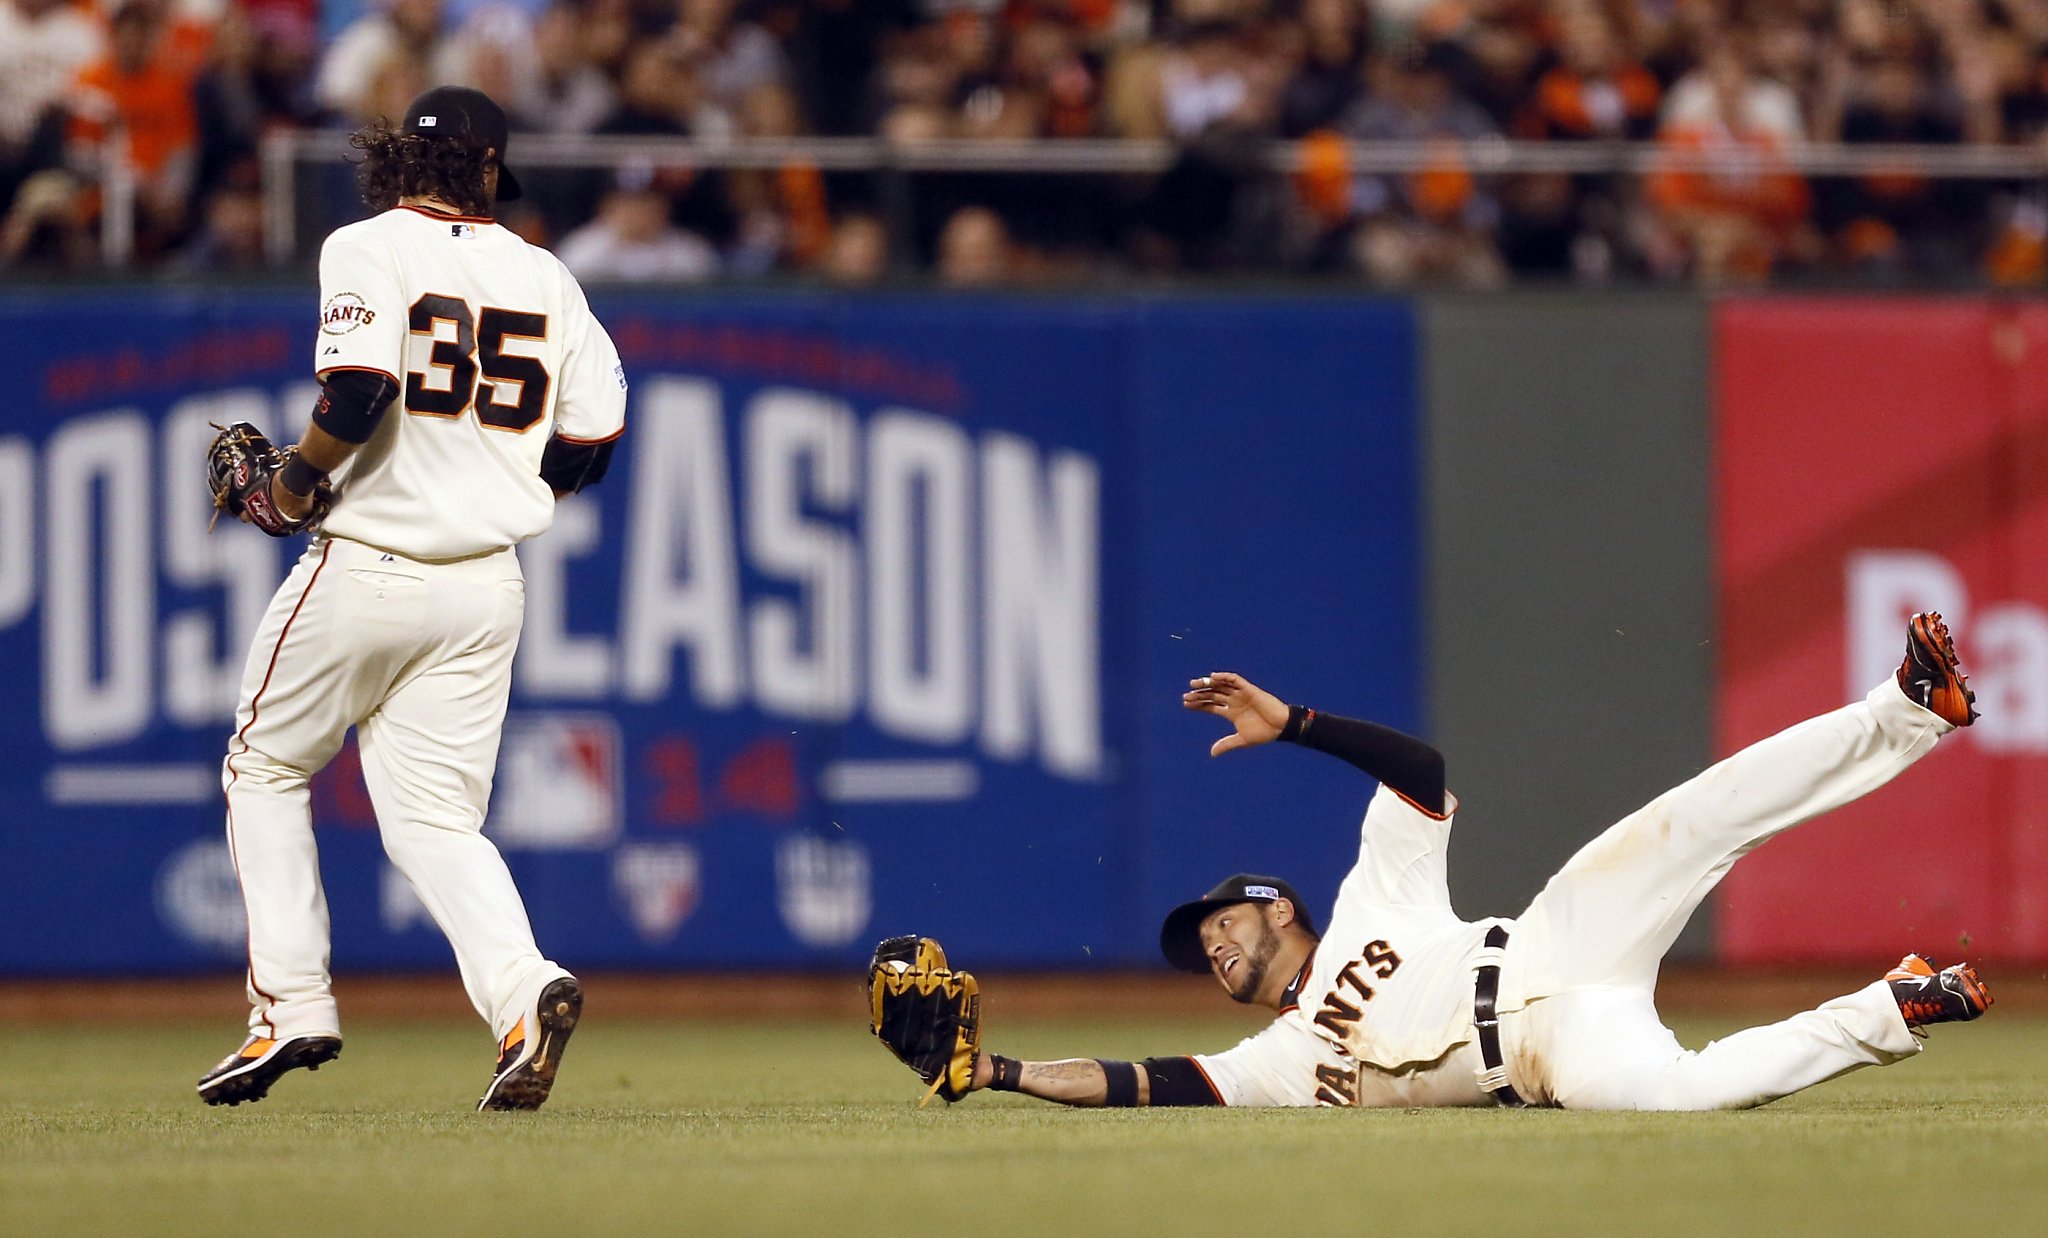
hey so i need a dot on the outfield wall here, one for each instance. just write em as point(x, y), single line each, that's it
point(878, 625)
point(880, 621)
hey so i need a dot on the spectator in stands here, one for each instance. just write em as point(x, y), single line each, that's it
point(491, 49)
point(230, 234)
point(43, 46)
point(975, 250)
point(1557, 225)
point(659, 96)
point(658, 93)
point(835, 48)
point(1594, 92)
point(1326, 82)
point(409, 28)
point(1207, 81)
point(632, 238)
point(47, 226)
point(1435, 223)
point(784, 221)
point(395, 81)
point(133, 120)
point(859, 253)
point(253, 82)
point(1001, 91)
point(1726, 88)
point(1048, 58)
point(569, 92)
point(1739, 218)
point(1896, 221)
point(917, 83)
point(733, 59)
point(1491, 50)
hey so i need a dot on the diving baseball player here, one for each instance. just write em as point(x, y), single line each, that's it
point(465, 388)
point(1399, 1002)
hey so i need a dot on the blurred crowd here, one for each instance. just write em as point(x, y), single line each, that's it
point(156, 109)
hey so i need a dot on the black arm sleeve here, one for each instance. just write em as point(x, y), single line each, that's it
point(1403, 762)
point(569, 466)
point(352, 402)
point(1121, 1078)
point(1178, 1081)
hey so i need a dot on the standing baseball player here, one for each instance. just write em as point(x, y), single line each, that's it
point(1402, 1003)
point(466, 388)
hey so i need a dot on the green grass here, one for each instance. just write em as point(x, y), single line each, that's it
point(811, 1129)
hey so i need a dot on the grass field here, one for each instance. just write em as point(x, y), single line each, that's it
point(779, 1128)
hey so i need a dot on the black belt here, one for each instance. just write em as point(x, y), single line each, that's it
point(1485, 993)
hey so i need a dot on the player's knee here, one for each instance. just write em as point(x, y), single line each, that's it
point(260, 771)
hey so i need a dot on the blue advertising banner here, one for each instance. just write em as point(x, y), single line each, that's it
point(878, 625)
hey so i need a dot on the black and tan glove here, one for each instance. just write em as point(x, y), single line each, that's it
point(927, 1014)
point(239, 465)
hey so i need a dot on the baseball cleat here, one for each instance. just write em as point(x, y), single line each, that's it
point(1930, 676)
point(248, 1072)
point(1925, 994)
point(531, 1052)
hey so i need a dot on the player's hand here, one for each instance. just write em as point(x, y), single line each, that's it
point(1258, 715)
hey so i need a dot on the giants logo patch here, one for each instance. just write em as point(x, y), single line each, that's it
point(343, 313)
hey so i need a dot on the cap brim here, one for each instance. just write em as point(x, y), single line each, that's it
point(508, 185)
point(1180, 938)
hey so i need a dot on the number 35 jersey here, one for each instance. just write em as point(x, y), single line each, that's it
point(493, 349)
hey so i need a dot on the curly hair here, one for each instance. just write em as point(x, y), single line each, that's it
point(399, 165)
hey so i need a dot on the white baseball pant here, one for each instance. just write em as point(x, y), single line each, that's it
point(1583, 959)
point(418, 658)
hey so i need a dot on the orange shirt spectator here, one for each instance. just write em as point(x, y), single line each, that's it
point(1750, 177)
point(1569, 104)
point(1735, 216)
point(144, 87)
point(1594, 92)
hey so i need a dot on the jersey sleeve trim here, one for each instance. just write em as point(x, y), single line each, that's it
point(366, 369)
point(1213, 1089)
point(589, 442)
point(1450, 805)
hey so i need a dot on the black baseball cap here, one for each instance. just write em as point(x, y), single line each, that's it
point(1180, 938)
point(464, 115)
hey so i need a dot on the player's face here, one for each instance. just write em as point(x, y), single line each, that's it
point(1240, 941)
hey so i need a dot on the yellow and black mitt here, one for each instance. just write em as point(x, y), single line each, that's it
point(927, 1014)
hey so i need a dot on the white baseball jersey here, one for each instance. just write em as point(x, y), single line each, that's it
point(493, 348)
point(402, 618)
point(1387, 998)
point(1384, 1014)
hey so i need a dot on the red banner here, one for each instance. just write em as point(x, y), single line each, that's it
point(1877, 458)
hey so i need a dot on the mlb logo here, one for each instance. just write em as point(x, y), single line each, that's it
point(462, 232)
point(559, 784)
point(657, 885)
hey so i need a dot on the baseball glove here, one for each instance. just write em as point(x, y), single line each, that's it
point(239, 465)
point(927, 1014)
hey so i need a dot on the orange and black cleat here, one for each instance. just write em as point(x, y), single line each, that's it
point(532, 1051)
point(1926, 994)
point(248, 1072)
point(1930, 676)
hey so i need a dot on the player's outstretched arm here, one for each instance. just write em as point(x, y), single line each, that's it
point(1098, 1082)
point(1408, 765)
